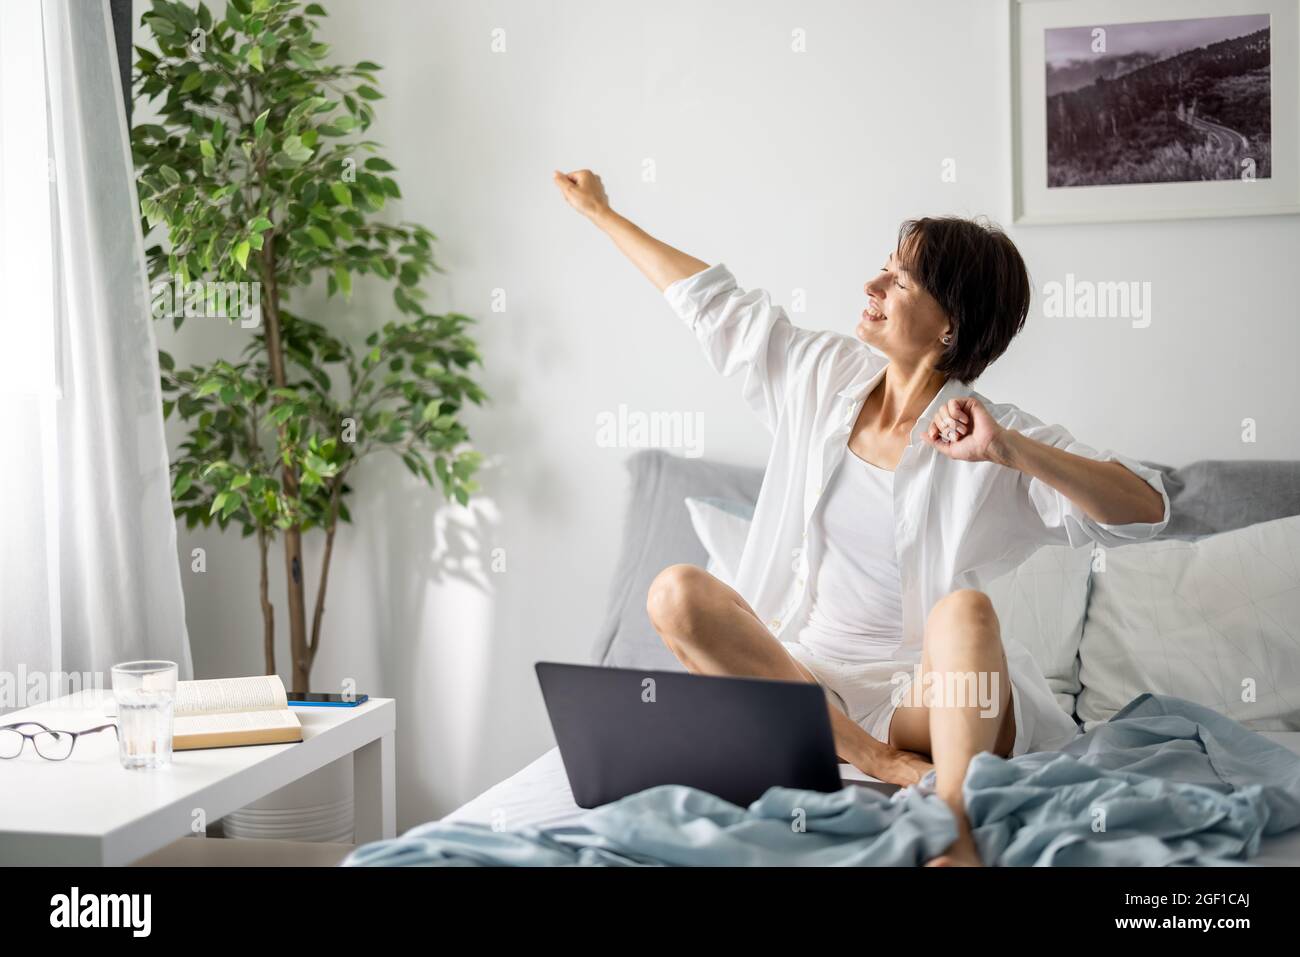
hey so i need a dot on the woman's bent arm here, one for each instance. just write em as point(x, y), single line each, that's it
point(1107, 491)
point(660, 263)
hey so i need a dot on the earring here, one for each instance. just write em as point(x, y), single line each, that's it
point(946, 340)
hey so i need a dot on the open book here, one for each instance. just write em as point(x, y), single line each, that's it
point(225, 712)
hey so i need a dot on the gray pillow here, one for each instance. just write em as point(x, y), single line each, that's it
point(1218, 496)
point(657, 533)
point(1206, 498)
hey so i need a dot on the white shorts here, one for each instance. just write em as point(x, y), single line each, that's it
point(869, 692)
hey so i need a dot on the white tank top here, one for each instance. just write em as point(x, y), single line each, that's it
point(855, 612)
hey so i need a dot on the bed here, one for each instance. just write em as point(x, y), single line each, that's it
point(539, 796)
point(1079, 625)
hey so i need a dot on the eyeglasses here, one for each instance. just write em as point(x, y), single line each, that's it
point(51, 745)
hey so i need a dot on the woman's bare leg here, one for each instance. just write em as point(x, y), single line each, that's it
point(962, 637)
point(713, 631)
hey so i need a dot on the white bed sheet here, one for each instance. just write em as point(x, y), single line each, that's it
point(539, 796)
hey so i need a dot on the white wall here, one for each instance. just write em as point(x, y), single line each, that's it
point(793, 168)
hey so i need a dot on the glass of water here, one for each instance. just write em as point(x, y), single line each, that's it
point(146, 698)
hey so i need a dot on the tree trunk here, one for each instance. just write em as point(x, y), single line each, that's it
point(301, 677)
point(293, 571)
point(268, 610)
point(336, 494)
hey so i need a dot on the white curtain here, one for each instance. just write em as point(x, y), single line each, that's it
point(88, 565)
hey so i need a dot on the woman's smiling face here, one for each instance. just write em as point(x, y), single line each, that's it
point(902, 320)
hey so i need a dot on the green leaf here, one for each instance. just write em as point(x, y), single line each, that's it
point(260, 225)
point(259, 124)
point(344, 279)
point(296, 150)
point(233, 501)
point(255, 58)
point(161, 27)
point(205, 147)
point(341, 193)
point(319, 237)
point(241, 254)
point(369, 93)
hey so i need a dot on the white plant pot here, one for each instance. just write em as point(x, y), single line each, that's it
point(317, 808)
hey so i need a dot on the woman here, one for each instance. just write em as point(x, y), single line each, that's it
point(893, 494)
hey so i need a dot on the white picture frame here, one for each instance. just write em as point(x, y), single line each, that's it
point(1034, 201)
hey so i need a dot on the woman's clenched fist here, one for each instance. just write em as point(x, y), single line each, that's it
point(584, 191)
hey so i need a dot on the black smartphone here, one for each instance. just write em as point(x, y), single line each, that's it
point(323, 700)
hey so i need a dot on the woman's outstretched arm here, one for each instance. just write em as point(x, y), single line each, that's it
point(1106, 491)
point(660, 263)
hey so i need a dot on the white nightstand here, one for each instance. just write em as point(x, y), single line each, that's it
point(89, 810)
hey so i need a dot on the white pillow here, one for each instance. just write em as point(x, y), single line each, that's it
point(722, 528)
point(1215, 621)
point(1039, 604)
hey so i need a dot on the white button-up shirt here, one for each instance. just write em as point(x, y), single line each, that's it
point(957, 524)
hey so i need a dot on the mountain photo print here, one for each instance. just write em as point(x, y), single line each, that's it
point(1169, 101)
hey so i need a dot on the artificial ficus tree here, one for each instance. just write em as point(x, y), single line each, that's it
point(256, 175)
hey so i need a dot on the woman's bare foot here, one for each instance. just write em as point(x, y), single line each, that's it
point(907, 768)
point(963, 852)
point(893, 766)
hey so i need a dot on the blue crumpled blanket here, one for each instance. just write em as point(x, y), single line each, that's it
point(1165, 781)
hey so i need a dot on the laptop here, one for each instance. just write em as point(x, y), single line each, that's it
point(623, 730)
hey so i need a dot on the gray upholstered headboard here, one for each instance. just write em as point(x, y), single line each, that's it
point(657, 533)
point(1206, 497)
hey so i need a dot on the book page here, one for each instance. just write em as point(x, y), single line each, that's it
point(225, 695)
point(233, 721)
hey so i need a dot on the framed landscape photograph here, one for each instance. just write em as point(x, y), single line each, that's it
point(1154, 109)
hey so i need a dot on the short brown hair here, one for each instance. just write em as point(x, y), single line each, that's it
point(975, 273)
